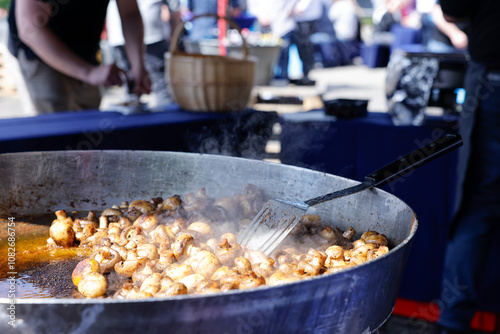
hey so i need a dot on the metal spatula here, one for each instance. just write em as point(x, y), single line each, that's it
point(278, 217)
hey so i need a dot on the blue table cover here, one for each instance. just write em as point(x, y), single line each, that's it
point(172, 129)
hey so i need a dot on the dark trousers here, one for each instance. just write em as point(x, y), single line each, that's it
point(301, 38)
point(473, 230)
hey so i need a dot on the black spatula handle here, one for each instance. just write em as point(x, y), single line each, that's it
point(397, 168)
point(414, 159)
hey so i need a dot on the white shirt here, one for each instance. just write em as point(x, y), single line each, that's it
point(310, 10)
point(344, 19)
point(424, 6)
point(151, 19)
point(379, 9)
point(277, 12)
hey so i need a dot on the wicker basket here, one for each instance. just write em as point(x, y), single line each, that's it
point(208, 82)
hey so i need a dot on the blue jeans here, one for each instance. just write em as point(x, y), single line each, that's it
point(479, 215)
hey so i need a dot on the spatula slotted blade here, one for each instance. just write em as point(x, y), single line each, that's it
point(271, 225)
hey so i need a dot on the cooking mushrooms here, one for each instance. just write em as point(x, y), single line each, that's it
point(61, 231)
point(93, 285)
point(175, 246)
point(83, 268)
point(107, 258)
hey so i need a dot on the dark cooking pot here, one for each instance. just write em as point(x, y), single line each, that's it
point(357, 300)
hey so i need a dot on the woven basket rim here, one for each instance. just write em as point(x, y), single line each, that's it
point(194, 84)
point(213, 58)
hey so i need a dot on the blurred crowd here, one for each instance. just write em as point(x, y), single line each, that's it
point(325, 33)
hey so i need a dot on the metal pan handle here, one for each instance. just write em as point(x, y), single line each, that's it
point(414, 159)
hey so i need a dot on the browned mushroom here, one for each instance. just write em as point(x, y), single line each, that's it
point(243, 266)
point(143, 271)
point(113, 214)
point(124, 222)
point(85, 221)
point(107, 258)
point(161, 234)
point(148, 251)
point(132, 214)
point(255, 256)
point(233, 280)
point(93, 285)
point(181, 243)
point(251, 281)
point(205, 263)
point(130, 232)
point(142, 205)
point(208, 286)
point(264, 269)
point(97, 239)
point(223, 271)
point(202, 229)
point(148, 221)
point(166, 258)
point(114, 228)
point(121, 250)
point(376, 240)
point(172, 289)
point(152, 283)
point(171, 203)
point(229, 204)
point(368, 233)
point(178, 271)
point(279, 278)
point(227, 252)
point(61, 231)
point(83, 268)
point(192, 281)
point(349, 233)
point(374, 253)
point(128, 267)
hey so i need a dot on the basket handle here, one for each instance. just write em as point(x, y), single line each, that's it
point(180, 29)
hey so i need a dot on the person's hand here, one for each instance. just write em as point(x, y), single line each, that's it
point(459, 40)
point(106, 75)
point(264, 21)
point(296, 11)
point(165, 13)
point(142, 81)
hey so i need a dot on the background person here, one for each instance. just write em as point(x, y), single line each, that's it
point(446, 37)
point(57, 44)
point(306, 14)
point(155, 39)
point(275, 17)
point(346, 25)
point(478, 219)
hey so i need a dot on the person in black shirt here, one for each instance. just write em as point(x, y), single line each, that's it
point(56, 43)
point(446, 37)
point(478, 217)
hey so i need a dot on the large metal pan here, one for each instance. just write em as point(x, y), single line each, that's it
point(357, 300)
